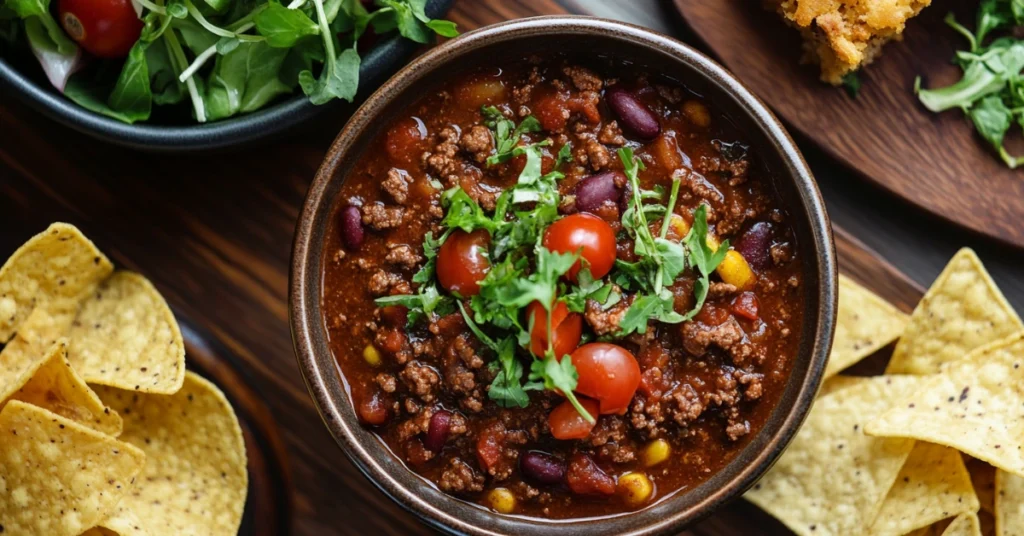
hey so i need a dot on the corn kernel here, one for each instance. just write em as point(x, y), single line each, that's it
point(678, 226)
point(502, 500)
point(635, 488)
point(697, 113)
point(735, 270)
point(656, 452)
point(371, 355)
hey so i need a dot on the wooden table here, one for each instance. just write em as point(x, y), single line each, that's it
point(214, 234)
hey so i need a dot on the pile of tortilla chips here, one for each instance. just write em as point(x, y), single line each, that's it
point(102, 430)
point(935, 446)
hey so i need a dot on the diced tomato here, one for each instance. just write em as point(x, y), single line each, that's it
point(372, 409)
point(711, 315)
point(488, 446)
point(745, 305)
point(586, 478)
point(567, 328)
point(552, 110)
point(567, 423)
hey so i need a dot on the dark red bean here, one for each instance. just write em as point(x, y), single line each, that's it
point(594, 191)
point(584, 477)
point(542, 468)
point(352, 227)
point(755, 245)
point(437, 433)
point(633, 114)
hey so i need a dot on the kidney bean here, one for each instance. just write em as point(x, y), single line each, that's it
point(635, 116)
point(542, 468)
point(352, 227)
point(595, 190)
point(755, 245)
point(437, 433)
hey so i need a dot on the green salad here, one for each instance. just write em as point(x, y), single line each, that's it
point(121, 58)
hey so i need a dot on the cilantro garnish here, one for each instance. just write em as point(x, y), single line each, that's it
point(506, 134)
point(507, 389)
point(551, 373)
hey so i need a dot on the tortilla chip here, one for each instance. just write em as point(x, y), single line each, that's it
point(126, 337)
point(963, 310)
point(1009, 504)
point(58, 477)
point(932, 485)
point(196, 481)
point(975, 406)
point(56, 387)
point(964, 525)
point(121, 523)
point(25, 353)
point(57, 264)
point(836, 383)
point(865, 323)
point(832, 479)
point(983, 478)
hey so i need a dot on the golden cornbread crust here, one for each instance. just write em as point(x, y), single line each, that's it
point(844, 35)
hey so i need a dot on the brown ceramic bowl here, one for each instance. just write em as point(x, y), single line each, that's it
point(510, 41)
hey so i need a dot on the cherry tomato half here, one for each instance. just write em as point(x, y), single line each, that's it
point(106, 28)
point(589, 233)
point(608, 373)
point(567, 423)
point(567, 327)
point(462, 261)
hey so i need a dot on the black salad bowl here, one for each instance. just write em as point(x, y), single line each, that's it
point(22, 78)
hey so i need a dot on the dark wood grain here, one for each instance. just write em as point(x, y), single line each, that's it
point(214, 232)
point(934, 161)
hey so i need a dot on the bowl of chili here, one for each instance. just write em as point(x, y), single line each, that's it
point(563, 274)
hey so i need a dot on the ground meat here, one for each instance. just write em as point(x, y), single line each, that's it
point(684, 405)
point(402, 255)
point(617, 453)
point(752, 382)
point(381, 217)
point(417, 454)
point(394, 343)
point(609, 428)
point(497, 451)
point(584, 79)
point(605, 322)
point(462, 348)
point(699, 187)
point(459, 477)
point(383, 283)
point(611, 134)
point(736, 426)
point(457, 425)
point(697, 336)
point(672, 94)
point(726, 391)
point(731, 169)
point(414, 426)
point(719, 289)
point(386, 382)
point(478, 142)
point(781, 253)
point(425, 348)
point(734, 215)
point(442, 161)
point(397, 185)
point(422, 380)
point(597, 154)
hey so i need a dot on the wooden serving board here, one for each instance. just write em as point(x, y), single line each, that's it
point(933, 161)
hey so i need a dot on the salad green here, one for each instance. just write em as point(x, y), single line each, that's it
point(222, 57)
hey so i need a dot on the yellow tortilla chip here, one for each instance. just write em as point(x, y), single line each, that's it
point(975, 406)
point(1009, 504)
point(58, 477)
point(964, 525)
point(59, 264)
point(932, 485)
point(121, 523)
point(125, 336)
point(832, 478)
point(865, 323)
point(196, 481)
point(983, 478)
point(836, 383)
point(960, 312)
point(27, 350)
point(56, 387)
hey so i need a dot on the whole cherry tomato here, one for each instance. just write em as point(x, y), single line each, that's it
point(567, 423)
point(567, 328)
point(608, 373)
point(584, 232)
point(105, 28)
point(462, 261)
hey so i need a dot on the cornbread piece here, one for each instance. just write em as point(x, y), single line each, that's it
point(844, 35)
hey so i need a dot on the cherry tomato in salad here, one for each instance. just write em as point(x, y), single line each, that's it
point(105, 28)
point(567, 423)
point(462, 261)
point(567, 328)
point(584, 232)
point(608, 373)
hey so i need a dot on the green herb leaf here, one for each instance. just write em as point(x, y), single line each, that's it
point(507, 389)
point(245, 80)
point(506, 133)
point(702, 257)
point(852, 83)
point(551, 374)
point(132, 96)
point(339, 78)
point(282, 26)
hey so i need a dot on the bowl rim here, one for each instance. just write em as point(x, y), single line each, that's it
point(322, 374)
point(269, 122)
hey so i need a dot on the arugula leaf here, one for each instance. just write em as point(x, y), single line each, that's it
point(245, 80)
point(551, 374)
point(462, 212)
point(430, 247)
point(40, 10)
point(339, 78)
point(992, 119)
point(992, 15)
point(410, 17)
point(282, 26)
point(507, 389)
point(506, 133)
point(564, 155)
point(132, 96)
point(542, 284)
